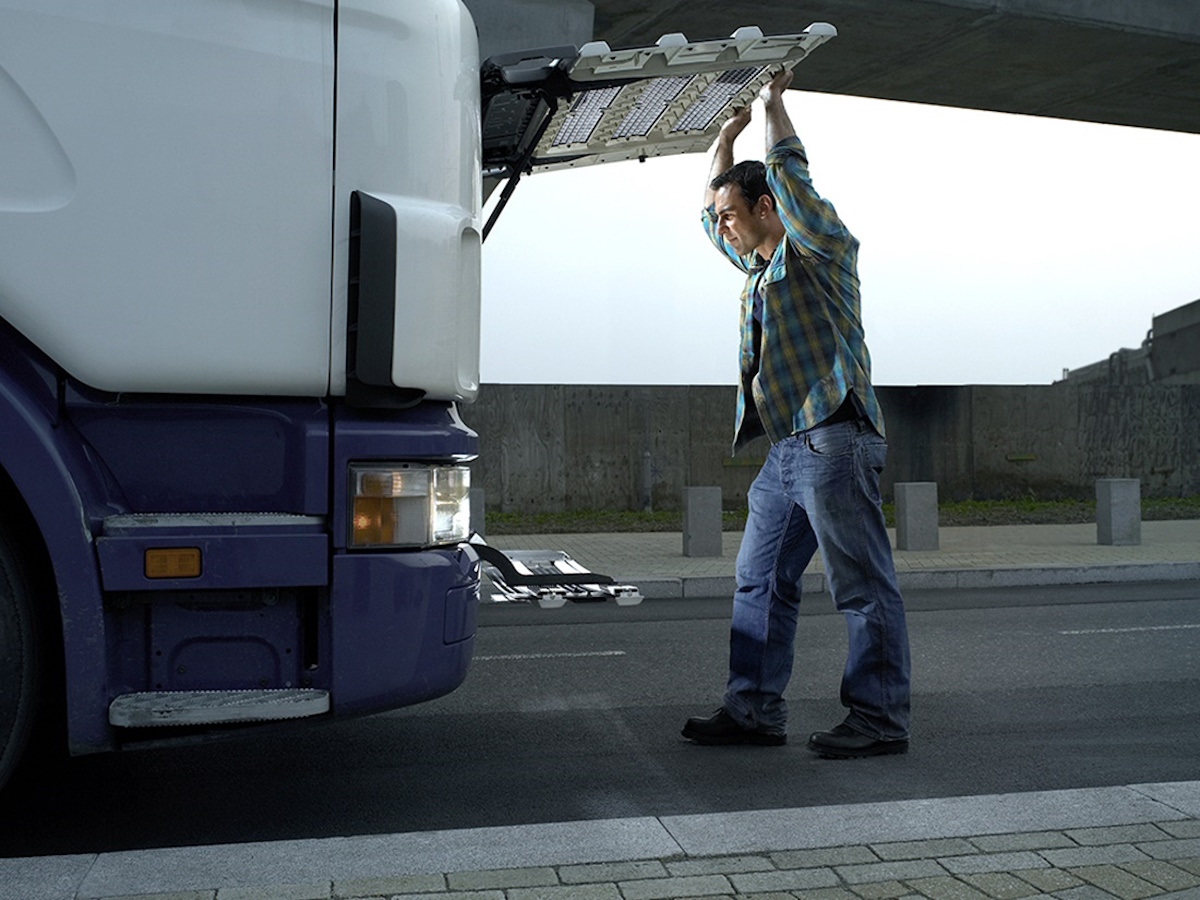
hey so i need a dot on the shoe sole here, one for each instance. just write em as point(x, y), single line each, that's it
point(886, 748)
point(754, 738)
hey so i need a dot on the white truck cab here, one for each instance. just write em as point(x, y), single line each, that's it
point(240, 253)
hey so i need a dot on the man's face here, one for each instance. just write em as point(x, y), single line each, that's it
point(743, 228)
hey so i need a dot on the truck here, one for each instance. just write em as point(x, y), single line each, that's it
point(240, 253)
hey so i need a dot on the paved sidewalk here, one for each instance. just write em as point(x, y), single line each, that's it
point(971, 557)
point(1128, 842)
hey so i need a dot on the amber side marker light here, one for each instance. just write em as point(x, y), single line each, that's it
point(173, 562)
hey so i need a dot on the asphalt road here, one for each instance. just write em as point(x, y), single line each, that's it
point(574, 714)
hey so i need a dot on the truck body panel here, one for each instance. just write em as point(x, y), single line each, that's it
point(179, 242)
point(408, 132)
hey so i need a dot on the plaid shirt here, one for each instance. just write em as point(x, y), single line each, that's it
point(808, 352)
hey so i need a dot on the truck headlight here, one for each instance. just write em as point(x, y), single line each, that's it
point(409, 504)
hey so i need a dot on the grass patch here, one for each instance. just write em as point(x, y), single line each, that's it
point(967, 512)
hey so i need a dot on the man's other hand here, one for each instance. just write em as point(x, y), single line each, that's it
point(735, 125)
point(773, 90)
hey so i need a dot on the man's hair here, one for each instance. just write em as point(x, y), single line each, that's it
point(751, 179)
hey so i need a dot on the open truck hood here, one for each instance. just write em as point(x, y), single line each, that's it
point(563, 107)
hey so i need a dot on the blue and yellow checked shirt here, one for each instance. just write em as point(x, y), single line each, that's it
point(809, 351)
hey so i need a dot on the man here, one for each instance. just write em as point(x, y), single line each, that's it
point(806, 385)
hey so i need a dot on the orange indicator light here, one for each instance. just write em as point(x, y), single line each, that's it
point(173, 562)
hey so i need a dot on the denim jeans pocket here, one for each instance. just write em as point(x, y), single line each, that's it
point(872, 456)
point(831, 441)
point(874, 452)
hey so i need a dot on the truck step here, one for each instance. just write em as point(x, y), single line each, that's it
point(159, 708)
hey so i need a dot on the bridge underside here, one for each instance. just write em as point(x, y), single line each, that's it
point(1124, 62)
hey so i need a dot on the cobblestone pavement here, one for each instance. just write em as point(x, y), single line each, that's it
point(1155, 859)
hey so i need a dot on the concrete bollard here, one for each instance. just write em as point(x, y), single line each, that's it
point(475, 501)
point(1118, 511)
point(701, 521)
point(916, 515)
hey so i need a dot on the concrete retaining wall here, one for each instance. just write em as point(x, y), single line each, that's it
point(549, 448)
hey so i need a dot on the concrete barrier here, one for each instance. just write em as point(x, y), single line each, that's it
point(567, 448)
point(701, 521)
point(916, 515)
point(1118, 511)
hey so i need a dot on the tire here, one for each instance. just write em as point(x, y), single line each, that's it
point(19, 668)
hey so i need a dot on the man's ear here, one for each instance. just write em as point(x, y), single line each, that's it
point(764, 206)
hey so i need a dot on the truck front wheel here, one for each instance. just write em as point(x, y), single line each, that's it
point(18, 659)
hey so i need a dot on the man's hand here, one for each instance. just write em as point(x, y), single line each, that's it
point(773, 90)
point(735, 125)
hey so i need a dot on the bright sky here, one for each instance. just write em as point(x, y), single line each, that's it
point(996, 249)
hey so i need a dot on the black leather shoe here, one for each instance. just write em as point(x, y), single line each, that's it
point(843, 742)
point(720, 728)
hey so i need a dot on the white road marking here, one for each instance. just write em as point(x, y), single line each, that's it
point(1131, 629)
point(550, 655)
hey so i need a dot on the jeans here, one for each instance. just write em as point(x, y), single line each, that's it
point(819, 490)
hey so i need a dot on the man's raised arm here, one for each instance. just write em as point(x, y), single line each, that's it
point(723, 151)
point(779, 124)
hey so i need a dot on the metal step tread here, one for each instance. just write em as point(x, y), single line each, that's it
point(160, 708)
point(559, 579)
